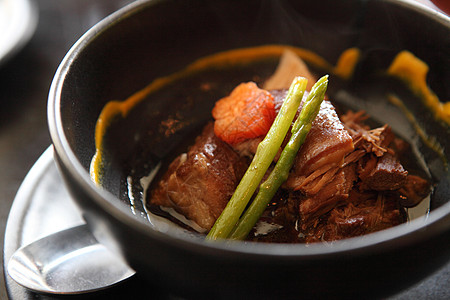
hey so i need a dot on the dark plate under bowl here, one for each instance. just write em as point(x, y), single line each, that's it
point(152, 39)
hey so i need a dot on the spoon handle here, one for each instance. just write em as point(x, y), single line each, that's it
point(71, 261)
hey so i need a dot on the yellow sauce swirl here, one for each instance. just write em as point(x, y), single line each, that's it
point(414, 71)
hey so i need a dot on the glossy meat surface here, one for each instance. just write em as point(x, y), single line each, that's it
point(363, 213)
point(384, 174)
point(370, 169)
point(199, 183)
point(327, 143)
point(333, 193)
point(346, 180)
point(414, 190)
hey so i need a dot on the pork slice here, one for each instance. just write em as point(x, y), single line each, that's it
point(414, 191)
point(199, 183)
point(325, 147)
point(383, 174)
point(327, 143)
point(379, 211)
point(335, 192)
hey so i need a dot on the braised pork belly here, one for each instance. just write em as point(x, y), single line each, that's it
point(199, 183)
point(347, 180)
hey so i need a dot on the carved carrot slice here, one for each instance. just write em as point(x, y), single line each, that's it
point(248, 112)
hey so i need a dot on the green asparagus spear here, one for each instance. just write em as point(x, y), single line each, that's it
point(264, 156)
point(280, 173)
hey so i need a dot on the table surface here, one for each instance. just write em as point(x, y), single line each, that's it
point(24, 83)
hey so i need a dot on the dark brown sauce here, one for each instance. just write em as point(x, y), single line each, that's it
point(203, 88)
point(285, 230)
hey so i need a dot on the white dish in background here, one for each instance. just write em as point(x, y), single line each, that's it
point(18, 20)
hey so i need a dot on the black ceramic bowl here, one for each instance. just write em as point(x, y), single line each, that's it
point(152, 39)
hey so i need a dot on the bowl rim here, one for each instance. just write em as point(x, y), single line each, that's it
point(436, 222)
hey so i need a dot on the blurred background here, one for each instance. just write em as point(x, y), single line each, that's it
point(47, 29)
point(25, 77)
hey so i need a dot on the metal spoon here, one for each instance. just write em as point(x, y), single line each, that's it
point(67, 262)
